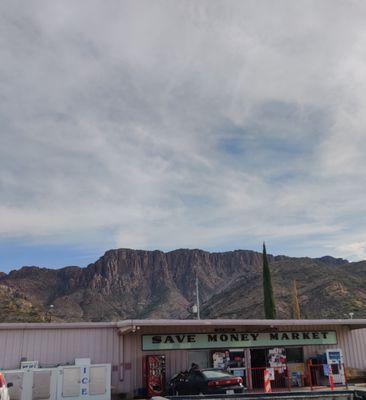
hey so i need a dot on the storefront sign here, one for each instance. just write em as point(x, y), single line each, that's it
point(236, 340)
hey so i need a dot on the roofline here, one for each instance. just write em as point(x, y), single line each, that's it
point(56, 325)
point(272, 323)
point(129, 324)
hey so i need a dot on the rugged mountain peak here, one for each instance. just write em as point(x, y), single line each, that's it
point(333, 261)
point(127, 283)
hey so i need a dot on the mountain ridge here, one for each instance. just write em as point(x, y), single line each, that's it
point(128, 283)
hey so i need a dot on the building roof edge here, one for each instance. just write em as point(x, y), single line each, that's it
point(131, 324)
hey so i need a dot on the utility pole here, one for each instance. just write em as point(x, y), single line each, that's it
point(296, 313)
point(48, 314)
point(197, 299)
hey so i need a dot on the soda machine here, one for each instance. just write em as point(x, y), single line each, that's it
point(154, 373)
point(335, 362)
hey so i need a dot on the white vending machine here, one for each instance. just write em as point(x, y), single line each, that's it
point(335, 362)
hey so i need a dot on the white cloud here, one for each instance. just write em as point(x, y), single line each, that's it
point(174, 124)
point(352, 250)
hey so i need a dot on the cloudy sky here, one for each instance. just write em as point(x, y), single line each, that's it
point(168, 124)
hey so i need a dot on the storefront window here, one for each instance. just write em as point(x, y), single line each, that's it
point(294, 355)
point(228, 359)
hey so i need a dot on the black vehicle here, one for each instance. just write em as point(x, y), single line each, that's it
point(205, 381)
point(176, 382)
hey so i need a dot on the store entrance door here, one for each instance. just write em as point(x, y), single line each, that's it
point(258, 358)
point(199, 357)
point(258, 364)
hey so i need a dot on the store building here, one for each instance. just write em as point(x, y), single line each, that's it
point(245, 347)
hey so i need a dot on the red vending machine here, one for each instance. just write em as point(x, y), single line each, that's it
point(154, 372)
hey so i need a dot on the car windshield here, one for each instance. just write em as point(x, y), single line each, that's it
point(216, 374)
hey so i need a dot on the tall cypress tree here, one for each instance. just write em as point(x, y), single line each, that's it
point(269, 301)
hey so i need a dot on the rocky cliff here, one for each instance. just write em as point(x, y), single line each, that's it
point(127, 283)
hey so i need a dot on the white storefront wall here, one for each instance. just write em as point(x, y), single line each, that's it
point(352, 343)
point(54, 345)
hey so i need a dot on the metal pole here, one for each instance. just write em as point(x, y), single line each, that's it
point(197, 299)
point(310, 377)
point(288, 377)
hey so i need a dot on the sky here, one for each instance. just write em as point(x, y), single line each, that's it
point(181, 124)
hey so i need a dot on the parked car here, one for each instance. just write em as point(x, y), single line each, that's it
point(4, 393)
point(175, 382)
point(205, 381)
